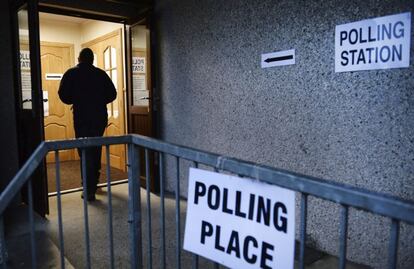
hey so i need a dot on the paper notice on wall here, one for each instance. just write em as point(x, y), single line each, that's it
point(138, 64)
point(25, 60)
point(140, 92)
point(26, 90)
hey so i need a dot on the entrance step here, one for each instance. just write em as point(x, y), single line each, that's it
point(47, 254)
point(18, 241)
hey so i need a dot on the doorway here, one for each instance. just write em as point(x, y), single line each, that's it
point(61, 39)
point(39, 115)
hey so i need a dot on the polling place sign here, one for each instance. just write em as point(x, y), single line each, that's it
point(239, 222)
point(378, 43)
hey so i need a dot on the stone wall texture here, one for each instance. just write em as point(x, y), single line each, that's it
point(355, 127)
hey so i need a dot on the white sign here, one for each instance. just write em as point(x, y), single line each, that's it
point(379, 43)
point(53, 76)
point(286, 57)
point(25, 60)
point(26, 81)
point(239, 222)
point(138, 64)
point(139, 87)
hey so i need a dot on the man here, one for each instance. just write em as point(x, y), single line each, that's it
point(88, 89)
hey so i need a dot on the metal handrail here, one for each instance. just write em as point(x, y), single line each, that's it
point(379, 203)
point(346, 195)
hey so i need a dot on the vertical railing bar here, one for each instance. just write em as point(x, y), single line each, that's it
point(85, 208)
point(148, 183)
point(393, 247)
point(134, 206)
point(110, 217)
point(162, 197)
point(177, 213)
point(303, 224)
point(31, 221)
point(195, 256)
point(343, 236)
point(59, 208)
point(216, 265)
point(3, 255)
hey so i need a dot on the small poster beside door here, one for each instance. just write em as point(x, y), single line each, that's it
point(26, 90)
point(25, 60)
point(138, 64)
point(139, 88)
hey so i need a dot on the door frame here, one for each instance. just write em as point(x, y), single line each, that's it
point(84, 9)
point(29, 122)
point(153, 97)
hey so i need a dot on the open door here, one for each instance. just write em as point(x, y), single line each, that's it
point(29, 95)
point(108, 52)
point(140, 91)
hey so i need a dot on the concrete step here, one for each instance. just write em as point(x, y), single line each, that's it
point(47, 254)
point(18, 241)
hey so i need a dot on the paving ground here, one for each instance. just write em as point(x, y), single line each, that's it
point(74, 239)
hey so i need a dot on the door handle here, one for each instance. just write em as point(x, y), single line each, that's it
point(26, 100)
point(45, 100)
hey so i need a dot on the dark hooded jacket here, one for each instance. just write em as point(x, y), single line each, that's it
point(88, 89)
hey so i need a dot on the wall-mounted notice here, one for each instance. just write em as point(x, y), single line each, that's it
point(139, 88)
point(239, 222)
point(379, 43)
point(26, 89)
point(25, 60)
point(138, 64)
point(286, 57)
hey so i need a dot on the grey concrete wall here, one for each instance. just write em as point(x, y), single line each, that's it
point(8, 133)
point(355, 127)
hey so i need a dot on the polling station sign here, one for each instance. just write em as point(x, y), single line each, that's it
point(378, 43)
point(239, 222)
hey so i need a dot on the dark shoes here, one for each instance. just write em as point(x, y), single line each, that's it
point(90, 198)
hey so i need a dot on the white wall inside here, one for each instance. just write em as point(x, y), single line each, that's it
point(76, 31)
point(61, 32)
point(92, 29)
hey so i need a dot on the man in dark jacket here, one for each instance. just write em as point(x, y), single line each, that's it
point(88, 89)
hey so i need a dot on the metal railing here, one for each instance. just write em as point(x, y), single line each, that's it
point(347, 196)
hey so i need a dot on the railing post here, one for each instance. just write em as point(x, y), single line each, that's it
point(3, 250)
point(134, 206)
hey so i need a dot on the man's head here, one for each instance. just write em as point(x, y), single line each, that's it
point(86, 56)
